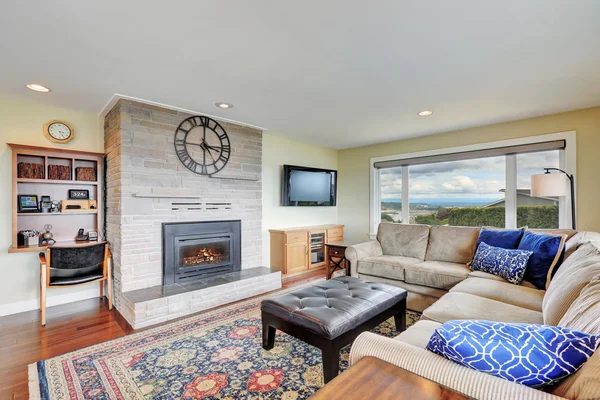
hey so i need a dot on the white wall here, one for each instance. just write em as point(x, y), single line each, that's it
point(22, 122)
point(277, 152)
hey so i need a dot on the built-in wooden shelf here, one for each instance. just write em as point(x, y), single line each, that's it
point(57, 182)
point(65, 224)
point(40, 214)
point(64, 243)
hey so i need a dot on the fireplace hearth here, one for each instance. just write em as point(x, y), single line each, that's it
point(197, 250)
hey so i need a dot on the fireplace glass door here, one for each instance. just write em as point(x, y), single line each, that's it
point(206, 252)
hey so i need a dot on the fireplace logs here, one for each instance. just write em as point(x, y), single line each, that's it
point(203, 256)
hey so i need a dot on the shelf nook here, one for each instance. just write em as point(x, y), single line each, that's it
point(42, 171)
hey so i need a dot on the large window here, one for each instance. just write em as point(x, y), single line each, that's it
point(484, 187)
point(391, 194)
point(536, 212)
point(456, 192)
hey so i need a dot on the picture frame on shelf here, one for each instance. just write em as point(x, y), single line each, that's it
point(27, 203)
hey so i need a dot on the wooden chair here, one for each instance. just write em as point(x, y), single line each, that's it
point(76, 265)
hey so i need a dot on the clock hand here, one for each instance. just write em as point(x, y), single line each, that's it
point(211, 156)
point(212, 147)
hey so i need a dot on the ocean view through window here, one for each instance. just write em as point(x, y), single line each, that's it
point(485, 188)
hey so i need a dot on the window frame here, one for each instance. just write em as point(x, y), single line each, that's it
point(567, 160)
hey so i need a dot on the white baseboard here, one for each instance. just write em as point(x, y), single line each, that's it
point(34, 304)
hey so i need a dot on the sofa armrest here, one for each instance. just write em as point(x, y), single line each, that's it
point(362, 250)
point(438, 369)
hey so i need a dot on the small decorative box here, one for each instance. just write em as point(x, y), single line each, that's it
point(28, 238)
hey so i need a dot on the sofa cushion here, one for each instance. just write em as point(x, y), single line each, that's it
point(419, 289)
point(419, 333)
point(403, 240)
point(547, 251)
point(504, 238)
point(391, 267)
point(453, 244)
point(584, 313)
point(583, 384)
point(436, 274)
point(579, 239)
point(504, 292)
point(485, 275)
point(506, 263)
point(575, 273)
point(419, 297)
point(456, 305)
point(529, 354)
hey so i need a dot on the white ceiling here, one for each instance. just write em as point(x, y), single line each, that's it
point(336, 73)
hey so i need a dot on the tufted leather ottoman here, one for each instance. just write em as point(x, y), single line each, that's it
point(332, 314)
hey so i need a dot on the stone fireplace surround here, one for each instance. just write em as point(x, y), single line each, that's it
point(148, 186)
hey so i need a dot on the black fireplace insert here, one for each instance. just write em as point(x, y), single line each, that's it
point(196, 250)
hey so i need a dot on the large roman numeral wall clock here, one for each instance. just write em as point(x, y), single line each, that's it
point(202, 145)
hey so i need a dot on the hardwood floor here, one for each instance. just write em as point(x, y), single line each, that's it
point(69, 327)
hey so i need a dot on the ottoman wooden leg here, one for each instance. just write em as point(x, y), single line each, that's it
point(400, 318)
point(268, 333)
point(331, 361)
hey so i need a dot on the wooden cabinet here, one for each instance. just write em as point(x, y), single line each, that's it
point(296, 257)
point(302, 249)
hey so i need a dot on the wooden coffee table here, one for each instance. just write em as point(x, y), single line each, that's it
point(372, 378)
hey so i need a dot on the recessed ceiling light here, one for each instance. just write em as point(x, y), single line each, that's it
point(38, 88)
point(424, 113)
point(224, 105)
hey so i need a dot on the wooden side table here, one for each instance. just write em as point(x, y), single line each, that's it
point(372, 378)
point(336, 258)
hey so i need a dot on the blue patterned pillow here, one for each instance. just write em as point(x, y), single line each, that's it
point(532, 355)
point(506, 263)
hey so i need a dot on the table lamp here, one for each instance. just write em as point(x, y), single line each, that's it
point(554, 185)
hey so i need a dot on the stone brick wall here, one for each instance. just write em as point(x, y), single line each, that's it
point(144, 171)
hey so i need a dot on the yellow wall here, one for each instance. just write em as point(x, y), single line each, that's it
point(22, 122)
point(276, 152)
point(353, 164)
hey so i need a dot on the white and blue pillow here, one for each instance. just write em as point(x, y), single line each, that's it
point(506, 263)
point(532, 355)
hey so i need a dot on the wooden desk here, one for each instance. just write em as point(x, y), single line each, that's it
point(372, 378)
point(43, 247)
point(336, 257)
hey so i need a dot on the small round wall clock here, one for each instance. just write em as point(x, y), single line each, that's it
point(59, 131)
point(202, 145)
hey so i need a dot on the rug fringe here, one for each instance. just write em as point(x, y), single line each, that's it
point(34, 382)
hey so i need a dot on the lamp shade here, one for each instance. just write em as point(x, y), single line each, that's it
point(549, 185)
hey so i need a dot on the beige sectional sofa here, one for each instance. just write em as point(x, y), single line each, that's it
point(572, 300)
point(425, 260)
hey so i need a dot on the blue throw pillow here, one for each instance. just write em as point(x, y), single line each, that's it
point(547, 251)
point(507, 238)
point(532, 355)
point(506, 263)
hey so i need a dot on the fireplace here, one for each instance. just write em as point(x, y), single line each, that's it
point(197, 250)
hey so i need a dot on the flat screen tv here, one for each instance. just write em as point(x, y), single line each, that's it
point(308, 187)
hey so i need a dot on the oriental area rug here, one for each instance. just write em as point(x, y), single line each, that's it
point(214, 355)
